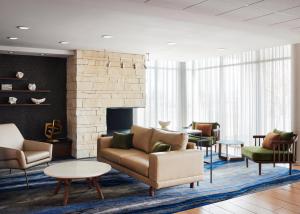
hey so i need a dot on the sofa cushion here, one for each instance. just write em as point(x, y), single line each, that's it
point(177, 140)
point(257, 153)
point(138, 163)
point(267, 143)
point(33, 156)
point(114, 155)
point(122, 140)
point(141, 138)
point(205, 128)
point(160, 147)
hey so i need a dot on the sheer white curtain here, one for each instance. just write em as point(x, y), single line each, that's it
point(162, 95)
point(247, 93)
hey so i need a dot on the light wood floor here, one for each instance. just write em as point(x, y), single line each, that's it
point(280, 200)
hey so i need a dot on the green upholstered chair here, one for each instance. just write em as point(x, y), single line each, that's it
point(205, 141)
point(284, 151)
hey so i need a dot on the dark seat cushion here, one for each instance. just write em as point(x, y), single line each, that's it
point(257, 153)
point(205, 141)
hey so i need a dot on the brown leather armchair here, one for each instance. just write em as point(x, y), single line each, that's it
point(18, 153)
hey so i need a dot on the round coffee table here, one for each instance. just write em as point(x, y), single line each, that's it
point(228, 143)
point(68, 171)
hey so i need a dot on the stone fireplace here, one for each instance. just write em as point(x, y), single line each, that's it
point(97, 80)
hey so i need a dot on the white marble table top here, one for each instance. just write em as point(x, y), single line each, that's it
point(77, 169)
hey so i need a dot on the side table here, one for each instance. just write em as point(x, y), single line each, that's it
point(62, 148)
point(228, 143)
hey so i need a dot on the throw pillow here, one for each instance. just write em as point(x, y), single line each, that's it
point(160, 147)
point(205, 128)
point(267, 143)
point(122, 140)
point(284, 135)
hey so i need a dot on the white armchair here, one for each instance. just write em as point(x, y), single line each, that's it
point(18, 153)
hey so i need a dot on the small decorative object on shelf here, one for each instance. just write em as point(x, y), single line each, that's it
point(19, 75)
point(12, 100)
point(164, 124)
point(38, 101)
point(32, 86)
point(6, 87)
point(52, 130)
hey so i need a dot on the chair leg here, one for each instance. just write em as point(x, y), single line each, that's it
point(247, 163)
point(192, 185)
point(47, 163)
point(9, 171)
point(290, 168)
point(206, 151)
point(151, 191)
point(26, 178)
point(259, 168)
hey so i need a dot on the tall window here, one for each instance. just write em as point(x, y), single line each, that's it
point(247, 93)
point(162, 95)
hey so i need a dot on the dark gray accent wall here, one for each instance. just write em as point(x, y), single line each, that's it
point(48, 73)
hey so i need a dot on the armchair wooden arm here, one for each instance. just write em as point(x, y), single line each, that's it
point(285, 151)
point(258, 139)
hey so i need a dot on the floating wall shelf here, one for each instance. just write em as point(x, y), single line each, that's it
point(24, 91)
point(23, 104)
point(12, 78)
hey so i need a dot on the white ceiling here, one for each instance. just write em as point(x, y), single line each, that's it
point(199, 27)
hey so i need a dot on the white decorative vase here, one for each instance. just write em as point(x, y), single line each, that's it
point(12, 100)
point(32, 86)
point(38, 101)
point(19, 75)
point(164, 124)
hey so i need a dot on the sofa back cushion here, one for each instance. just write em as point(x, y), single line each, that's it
point(177, 140)
point(10, 136)
point(141, 138)
point(267, 143)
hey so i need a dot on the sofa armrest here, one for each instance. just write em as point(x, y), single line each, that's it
point(102, 143)
point(13, 154)
point(31, 145)
point(164, 166)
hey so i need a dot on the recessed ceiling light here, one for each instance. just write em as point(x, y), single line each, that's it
point(106, 36)
point(171, 43)
point(221, 49)
point(63, 42)
point(11, 52)
point(23, 27)
point(42, 54)
point(12, 38)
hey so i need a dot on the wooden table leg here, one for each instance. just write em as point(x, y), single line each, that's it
point(66, 189)
point(57, 186)
point(96, 184)
point(89, 181)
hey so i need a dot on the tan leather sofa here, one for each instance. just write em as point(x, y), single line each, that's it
point(18, 153)
point(182, 165)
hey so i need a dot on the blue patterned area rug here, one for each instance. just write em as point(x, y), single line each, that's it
point(124, 194)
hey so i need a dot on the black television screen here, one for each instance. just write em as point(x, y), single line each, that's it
point(119, 119)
